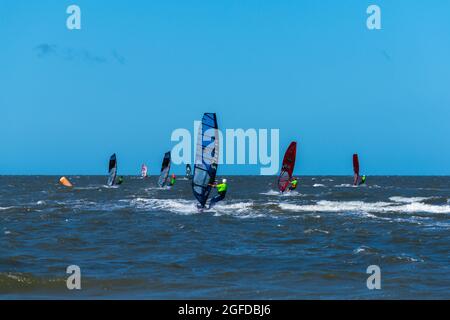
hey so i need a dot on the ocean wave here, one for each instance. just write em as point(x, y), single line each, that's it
point(109, 187)
point(368, 207)
point(409, 199)
point(242, 210)
point(404, 258)
point(365, 250)
point(345, 185)
point(11, 282)
point(89, 187)
point(237, 209)
point(317, 185)
point(309, 231)
point(171, 205)
point(277, 193)
point(7, 208)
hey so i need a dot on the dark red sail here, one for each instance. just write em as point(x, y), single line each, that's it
point(288, 167)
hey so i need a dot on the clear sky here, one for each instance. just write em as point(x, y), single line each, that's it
point(137, 70)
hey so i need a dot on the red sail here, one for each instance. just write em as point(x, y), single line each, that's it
point(288, 167)
point(355, 169)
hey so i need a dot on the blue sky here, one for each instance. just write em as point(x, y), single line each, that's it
point(139, 69)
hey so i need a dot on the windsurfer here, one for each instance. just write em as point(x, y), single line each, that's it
point(293, 185)
point(221, 192)
point(120, 180)
point(363, 180)
point(172, 180)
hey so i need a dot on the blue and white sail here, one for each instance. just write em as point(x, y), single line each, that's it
point(112, 170)
point(206, 159)
point(165, 168)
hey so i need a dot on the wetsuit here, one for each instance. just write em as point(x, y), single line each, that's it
point(293, 184)
point(363, 180)
point(172, 181)
point(221, 190)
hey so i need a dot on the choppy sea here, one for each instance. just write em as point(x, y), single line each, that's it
point(138, 241)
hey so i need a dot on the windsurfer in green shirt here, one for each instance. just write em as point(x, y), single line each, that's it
point(293, 185)
point(221, 190)
point(173, 180)
point(363, 180)
point(119, 180)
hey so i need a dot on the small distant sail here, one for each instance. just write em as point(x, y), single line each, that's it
point(165, 168)
point(65, 182)
point(206, 159)
point(144, 171)
point(188, 171)
point(355, 169)
point(288, 167)
point(112, 170)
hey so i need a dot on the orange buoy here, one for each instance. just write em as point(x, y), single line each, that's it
point(65, 182)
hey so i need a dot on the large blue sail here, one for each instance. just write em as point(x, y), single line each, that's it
point(112, 170)
point(206, 159)
point(165, 168)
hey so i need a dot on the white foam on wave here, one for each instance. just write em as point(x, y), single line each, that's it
point(237, 209)
point(241, 210)
point(284, 194)
point(308, 231)
point(171, 205)
point(317, 185)
point(345, 185)
point(6, 208)
point(365, 207)
point(409, 199)
point(422, 207)
point(109, 187)
point(361, 249)
point(404, 257)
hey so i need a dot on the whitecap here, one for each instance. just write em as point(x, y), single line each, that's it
point(365, 207)
point(345, 185)
point(280, 194)
point(308, 231)
point(409, 199)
